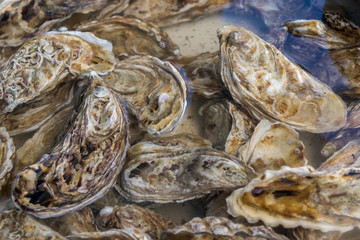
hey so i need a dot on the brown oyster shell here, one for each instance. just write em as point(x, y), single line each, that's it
point(22, 20)
point(307, 234)
point(302, 197)
point(132, 36)
point(169, 171)
point(272, 146)
point(154, 91)
point(82, 167)
point(112, 7)
point(7, 150)
point(19, 225)
point(218, 228)
point(169, 12)
point(270, 86)
point(44, 62)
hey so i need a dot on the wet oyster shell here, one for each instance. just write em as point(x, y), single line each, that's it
point(41, 64)
point(218, 228)
point(168, 171)
point(302, 197)
point(21, 20)
point(154, 91)
point(82, 167)
point(19, 225)
point(112, 7)
point(307, 234)
point(132, 36)
point(272, 146)
point(270, 86)
point(7, 150)
point(165, 13)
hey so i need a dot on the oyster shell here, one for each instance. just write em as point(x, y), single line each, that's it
point(19, 225)
point(270, 86)
point(132, 36)
point(154, 91)
point(272, 146)
point(302, 197)
point(7, 150)
point(165, 13)
point(21, 20)
point(166, 170)
point(41, 64)
point(112, 7)
point(82, 167)
point(307, 234)
point(218, 228)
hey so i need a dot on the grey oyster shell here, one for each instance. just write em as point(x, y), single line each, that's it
point(42, 63)
point(7, 155)
point(169, 12)
point(84, 165)
point(132, 36)
point(219, 228)
point(270, 86)
point(154, 91)
point(302, 197)
point(166, 169)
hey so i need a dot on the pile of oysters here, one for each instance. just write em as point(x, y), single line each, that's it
point(92, 93)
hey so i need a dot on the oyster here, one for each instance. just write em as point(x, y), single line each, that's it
point(272, 146)
point(7, 150)
point(218, 228)
point(41, 64)
point(21, 20)
point(165, 13)
point(112, 7)
point(166, 170)
point(19, 225)
point(307, 234)
point(82, 167)
point(132, 36)
point(154, 91)
point(6, 53)
point(302, 197)
point(31, 116)
point(270, 86)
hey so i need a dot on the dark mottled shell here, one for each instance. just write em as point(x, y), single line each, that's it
point(307, 234)
point(7, 155)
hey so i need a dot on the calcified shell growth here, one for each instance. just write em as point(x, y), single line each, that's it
point(167, 170)
point(302, 197)
point(22, 19)
point(7, 154)
point(154, 91)
point(218, 228)
point(270, 86)
point(132, 36)
point(82, 167)
point(308, 234)
point(43, 63)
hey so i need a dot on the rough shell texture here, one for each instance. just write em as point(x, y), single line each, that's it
point(82, 167)
point(111, 198)
point(6, 53)
point(7, 155)
point(154, 91)
point(272, 146)
point(270, 86)
point(168, 171)
point(307, 234)
point(302, 197)
point(218, 228)
point(132, 36)
point(43, 63)
point(18, 225)
point(112, 7)
point(165, 13)
point(28, 18)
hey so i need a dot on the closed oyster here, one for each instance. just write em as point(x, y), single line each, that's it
point(219, 228)
point(82, 167)
point(41, 64)
point(272, 146)
point(166, 170)
point(7, 150)
point(19, 225)
point(21, 20)
point(302, 197)
point(31, 116)
point(165, 13)
point(132, 36)
point(270, 86)
point(308, 234)
point(154, 91)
